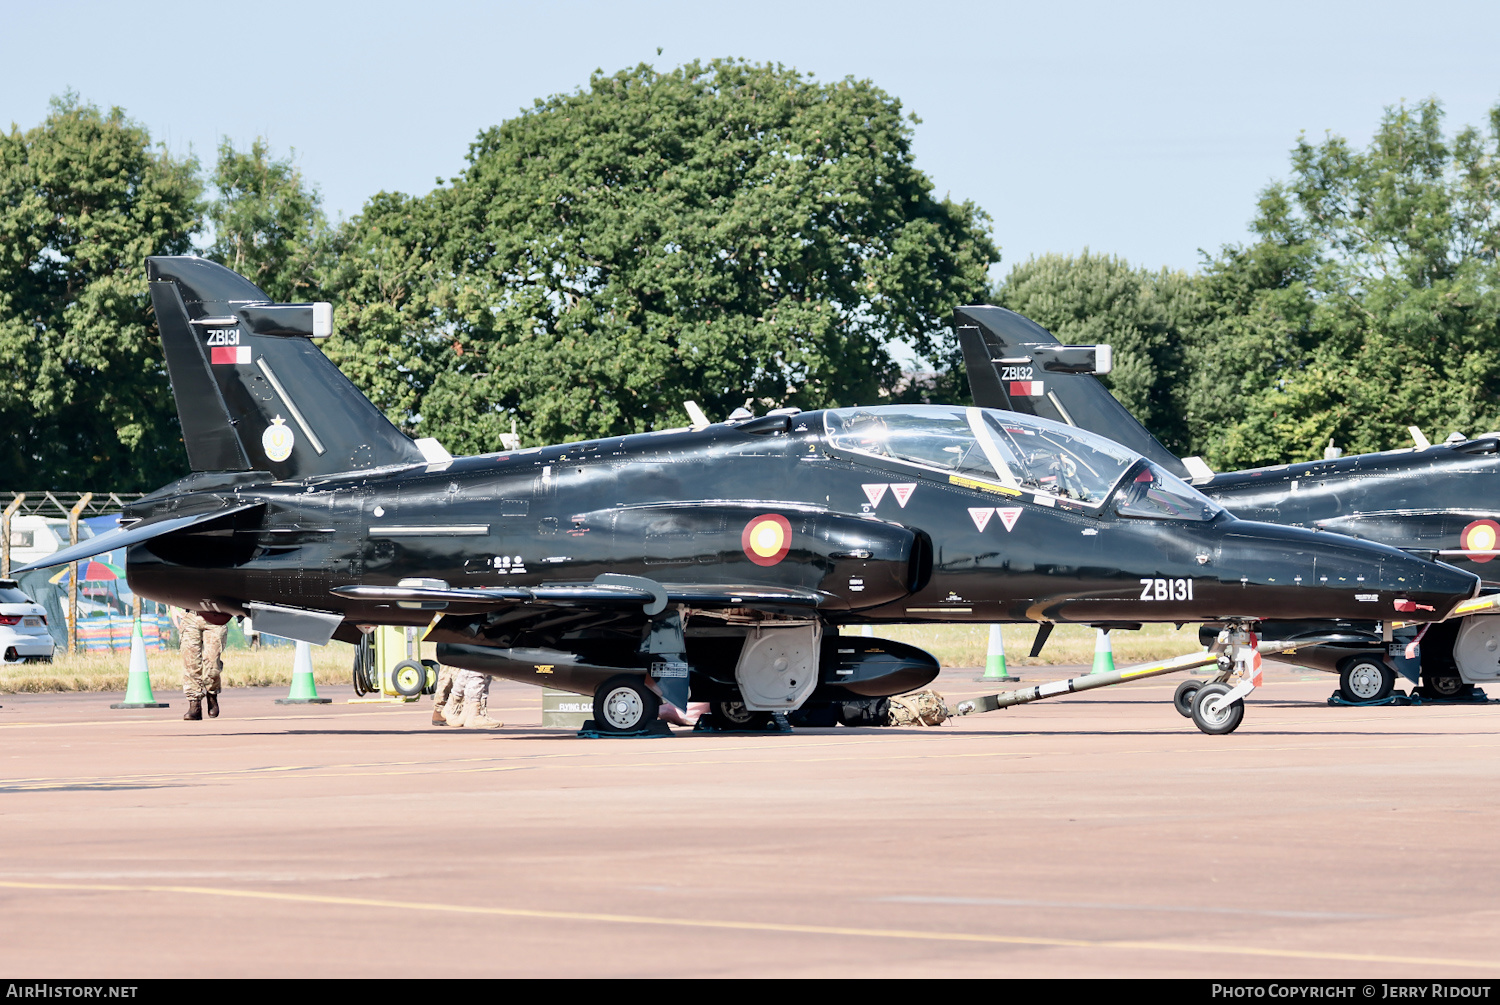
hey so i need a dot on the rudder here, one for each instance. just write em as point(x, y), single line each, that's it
point(253, 392)
point(996, 341)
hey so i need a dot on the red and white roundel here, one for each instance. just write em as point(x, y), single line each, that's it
point(766, 539)
point(1481, 535)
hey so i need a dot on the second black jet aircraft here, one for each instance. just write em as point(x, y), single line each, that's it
point(1438, 501)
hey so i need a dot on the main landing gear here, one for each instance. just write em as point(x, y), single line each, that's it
point(1365, 678)
point(625, 706)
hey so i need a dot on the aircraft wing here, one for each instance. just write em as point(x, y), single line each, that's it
point(606, 591)
point(134, 534)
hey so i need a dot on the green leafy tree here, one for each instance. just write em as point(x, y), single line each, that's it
point(268, 223)
point(721, 232)
point(1148, 318)
point(84, 198)
point(389, 337)
point(1368, 303)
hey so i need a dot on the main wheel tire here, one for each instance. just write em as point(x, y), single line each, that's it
point(1364, 678)
point(434, 671)
point(624, 704)
point(1182, 698)
point(409, 678)
point(734, 714)
point(1213, 718)
point(1448, 687)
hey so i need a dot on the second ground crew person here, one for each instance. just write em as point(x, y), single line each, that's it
point(203, 635)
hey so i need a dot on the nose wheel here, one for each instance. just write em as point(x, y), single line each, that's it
point(1182, 699)
point(1216, 711)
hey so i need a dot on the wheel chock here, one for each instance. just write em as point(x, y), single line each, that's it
point(654, 729)
point(1418, 696)
point(1474, 697)
point(709, 723)
point(1396, 698)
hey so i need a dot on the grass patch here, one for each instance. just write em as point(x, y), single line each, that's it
point(966, 645)
point(953, 645)
point(108, 670)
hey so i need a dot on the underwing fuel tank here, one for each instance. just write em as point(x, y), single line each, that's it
point(848, 667)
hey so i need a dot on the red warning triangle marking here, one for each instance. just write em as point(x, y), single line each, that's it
point(981, 516)
point(1008, 516)
point(875, 493)
point(903, 492)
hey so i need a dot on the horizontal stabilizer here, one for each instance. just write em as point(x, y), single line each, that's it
point(316, 627)
point(135, 534)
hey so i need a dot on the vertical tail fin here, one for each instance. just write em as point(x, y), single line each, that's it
point(1015, 364)
point(253, 392)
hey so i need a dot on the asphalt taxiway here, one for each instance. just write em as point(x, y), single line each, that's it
point(1091, 835)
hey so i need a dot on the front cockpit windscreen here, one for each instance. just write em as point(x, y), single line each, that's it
point(1157, 494)
point(1007, 449)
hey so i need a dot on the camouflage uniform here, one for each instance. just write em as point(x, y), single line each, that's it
point(446, 695)
point(468, 701)
point(202, 649)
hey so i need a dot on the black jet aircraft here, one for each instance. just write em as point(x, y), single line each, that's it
point(1437, 501)
point(719, 563)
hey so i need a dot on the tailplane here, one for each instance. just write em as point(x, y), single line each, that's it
point(1015, 364)
point(253, 392)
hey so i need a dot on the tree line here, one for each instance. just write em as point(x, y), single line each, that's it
point(732, 232)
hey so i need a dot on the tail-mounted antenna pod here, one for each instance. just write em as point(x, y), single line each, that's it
point(305, 320)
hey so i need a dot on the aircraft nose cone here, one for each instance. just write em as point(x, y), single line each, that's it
point(1288, 572)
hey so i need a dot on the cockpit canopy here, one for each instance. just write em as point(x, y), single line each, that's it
point(1017, 452)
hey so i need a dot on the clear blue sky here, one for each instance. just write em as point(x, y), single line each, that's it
point(1145, 130)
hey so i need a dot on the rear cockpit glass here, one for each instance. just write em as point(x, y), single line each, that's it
point(1013, 451)
point(1056, 460)
point(1157, 495)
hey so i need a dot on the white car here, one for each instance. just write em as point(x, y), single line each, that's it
point(23, 626)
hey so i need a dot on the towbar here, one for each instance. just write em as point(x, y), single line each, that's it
point(1088, 682)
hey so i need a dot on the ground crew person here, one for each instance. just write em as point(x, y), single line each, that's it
point(445, 697)
point(203, 634)
point(461, 698)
